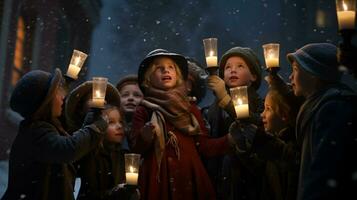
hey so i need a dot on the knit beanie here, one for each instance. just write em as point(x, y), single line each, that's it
point(249, 57)
point(318, 59)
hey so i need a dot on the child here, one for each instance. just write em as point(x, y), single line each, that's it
point(234, 177)
point(103, 168)
point(41, 157)
point(131, 96)
point(326, 124)
point(169, 133)
point(277, 143)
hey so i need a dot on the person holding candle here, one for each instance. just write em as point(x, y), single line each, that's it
point(131, 96)
point(239, 66)
point(168, 132)
point(276, 143)
point(102, 169)
point(42, 153)
point(326, 124)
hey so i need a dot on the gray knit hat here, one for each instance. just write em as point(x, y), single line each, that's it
point(249, 57)
point(318, 59)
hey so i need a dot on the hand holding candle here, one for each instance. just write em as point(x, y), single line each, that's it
point(76, 64)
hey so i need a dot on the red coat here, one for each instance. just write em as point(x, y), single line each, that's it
point(184, 178)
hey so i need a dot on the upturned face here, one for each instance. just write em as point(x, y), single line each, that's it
point(301, 81)
point(272, 121)
point(131, 96)
point(164, 75)
point(237, 73)
point(57, 102)
point(115, 130)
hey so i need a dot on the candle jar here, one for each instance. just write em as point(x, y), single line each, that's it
point(240, 101)
point(132, 162)
point(271, 55)
point(76, 64)
point(346, 14)
point(99, 90)
point(210, 46)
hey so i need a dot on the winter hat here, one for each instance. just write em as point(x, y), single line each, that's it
point(198, 75)
point(34, 91)
point(78, 96)
point(144, 65)
point(126, 80)
point(249, 57)
point(318, 59)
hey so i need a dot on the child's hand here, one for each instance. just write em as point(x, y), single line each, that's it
point(217, 85)
point(148, 132)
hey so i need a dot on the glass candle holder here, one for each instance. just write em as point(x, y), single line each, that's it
point(132, 162)
point(210, 46)
point(271, 54)
point(76, 64)
point(346, 14)
point(99, 90)
point(239, 97)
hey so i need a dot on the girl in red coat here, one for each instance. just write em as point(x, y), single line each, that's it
point(169, 133)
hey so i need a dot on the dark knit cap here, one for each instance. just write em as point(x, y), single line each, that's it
point(129, 79)
point(144, 65)
point(318, 59)
point(79, 96)
point(34, 91)
point(249, 57)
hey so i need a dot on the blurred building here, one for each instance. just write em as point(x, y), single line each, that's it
point(37, 34)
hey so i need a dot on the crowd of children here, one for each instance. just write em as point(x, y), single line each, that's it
point(295, 144)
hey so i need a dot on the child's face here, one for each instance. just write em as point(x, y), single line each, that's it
point(115, 130)
point(237, 73)
point(57, 102)
point(273, 123)
point(301, 81)
point(131, 96)
point(164, 75)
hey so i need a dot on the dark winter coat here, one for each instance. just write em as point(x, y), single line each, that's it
point(326, 131)
point(100, 171)
point(184, 178)
point(223, 169)
point(282, 167)
point(42, 159)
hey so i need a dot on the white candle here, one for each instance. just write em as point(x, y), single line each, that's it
point(131, 178)
point(73, 71)
point(211, 61)
point(242, 111)
point(272, 62)
point(98, 102)
point(346, 19)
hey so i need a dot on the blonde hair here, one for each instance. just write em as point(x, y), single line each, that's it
point(152, 67)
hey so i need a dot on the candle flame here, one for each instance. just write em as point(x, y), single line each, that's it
point(211, 53)
point(345, 8)
point(239, 101)
point(97, 93)
point(131, 169)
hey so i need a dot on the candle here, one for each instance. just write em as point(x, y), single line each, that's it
point(73, 71)
point(242, 110)
point(211, 61)
point(98, 102)
point(346, 19)
point(131, 177)
point(272, 62)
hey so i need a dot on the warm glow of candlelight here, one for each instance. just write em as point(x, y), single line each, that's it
point(97, 94)
point(345, 7)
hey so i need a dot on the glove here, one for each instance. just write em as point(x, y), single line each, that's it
point(95, 117)
point(219, 88)
point(242, 135)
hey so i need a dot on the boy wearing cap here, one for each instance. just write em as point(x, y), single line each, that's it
point(326, 124)
point(236, 177)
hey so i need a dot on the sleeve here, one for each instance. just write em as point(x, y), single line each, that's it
point(333, 139)
point(138, 144)
point(50, 146)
